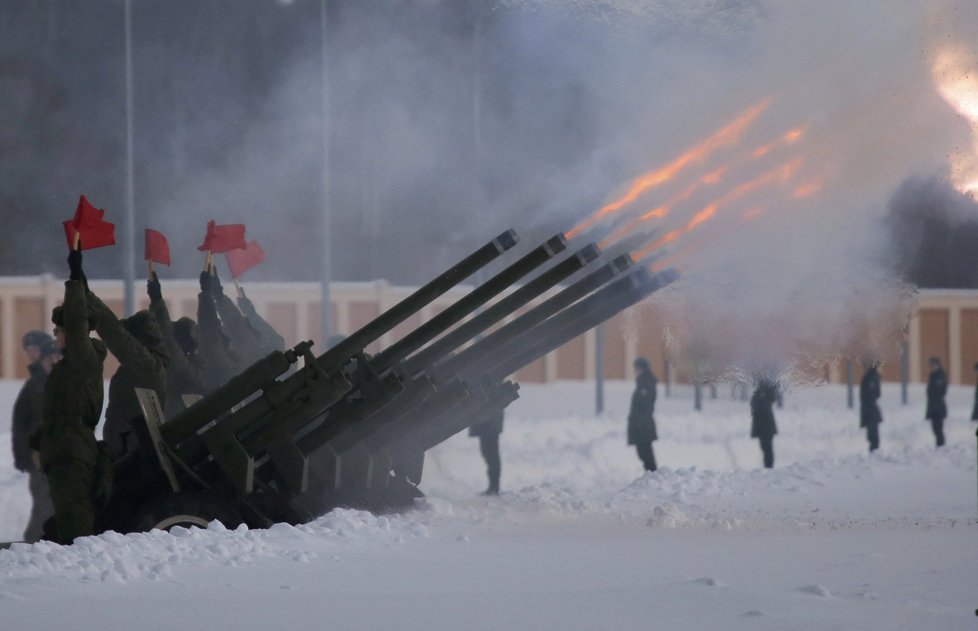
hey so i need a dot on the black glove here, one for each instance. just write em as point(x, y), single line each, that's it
point(205, 282)
point(154, 289)
point(75, 265)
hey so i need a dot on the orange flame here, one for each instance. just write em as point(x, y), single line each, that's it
point(779, 174)
point(752, 213)
point(956, 79)
point(724, 136)
point(807, 189)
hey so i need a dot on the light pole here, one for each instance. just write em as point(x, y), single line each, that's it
point(129, 229)
point(325, 326)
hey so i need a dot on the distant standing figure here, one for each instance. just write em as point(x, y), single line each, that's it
point(488, 432)
point(641, 422)
point(869, 410)
point(42, 351)
point(762, 426)
point(974, 409)
point(936, 407)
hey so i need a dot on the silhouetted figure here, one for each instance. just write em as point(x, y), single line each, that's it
point(641, 422)
point(762, 426)
point(974, 409)
point(28, 413)
point(488, 432)
point(869, 410)
point(936, 407)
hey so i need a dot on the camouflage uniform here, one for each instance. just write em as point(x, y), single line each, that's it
point(72, 407)
point(135, 341)
point(183, 372)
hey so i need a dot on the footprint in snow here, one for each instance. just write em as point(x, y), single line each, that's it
point(817, 590)
point(708, 581)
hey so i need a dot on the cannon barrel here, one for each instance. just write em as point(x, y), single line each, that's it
point(373, 330)
point(455, 364)
point(582, 317)
point(466, 305)
point(496, 312)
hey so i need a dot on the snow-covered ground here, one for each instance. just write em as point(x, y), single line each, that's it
point(580, 539)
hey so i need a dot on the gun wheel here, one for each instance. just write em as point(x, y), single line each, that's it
point(186, 510)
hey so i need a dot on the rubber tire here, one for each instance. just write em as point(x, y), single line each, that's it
point(187, 510)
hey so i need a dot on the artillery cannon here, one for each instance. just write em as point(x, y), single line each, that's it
point(287, 441)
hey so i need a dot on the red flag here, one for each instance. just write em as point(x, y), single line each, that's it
point(93, 231)
point(157, 247)
point(223, 238)
point(240, 261)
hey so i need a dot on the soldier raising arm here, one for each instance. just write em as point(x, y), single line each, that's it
point(72, 407)
point(183, 372)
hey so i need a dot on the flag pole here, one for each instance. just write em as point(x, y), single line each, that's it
point(325, 312)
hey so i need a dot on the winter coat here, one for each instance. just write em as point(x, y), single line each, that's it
point(73, 394)
point(869, 394)
point(218, 362)
point(27, 416)
point(137, 344)
point(245, 340)
point(974, 409)
point(936, 389)
point(489, 426)
point(183, 371)
point(762, 410)
point(641, 422)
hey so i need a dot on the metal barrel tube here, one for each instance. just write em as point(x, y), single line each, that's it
point(456, 395)
point(439, 428)
point(585, 316)
point(563, 299)
point(466, 305)
point(373, 330)
point(496, 312)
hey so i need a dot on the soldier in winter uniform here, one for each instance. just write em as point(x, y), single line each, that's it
point(762, 426)
point(869, 410)
point(974, 409)
point(68, 452)
point(488, 432)
point(183, 372)
point(218, 359)
point(936, 407)
point(641, 422)
point(27, 417)
point(269, 338)
point(245, 339)
point(137, 344)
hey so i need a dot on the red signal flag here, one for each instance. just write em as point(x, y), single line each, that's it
point(240, 261)
point(223, 238)
point(157, 247)
point(89, 226)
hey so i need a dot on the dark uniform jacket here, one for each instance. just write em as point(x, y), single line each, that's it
point(641, 423)
point(142, 364)
point(73, 395)
point(869, 394)
point(489, 426)
point(762, 402)
point(218, 362)
point(974, 409)
point(936, 389)
point(245, 340)
point(183, 371)
point(269, 339)
point(27, 415)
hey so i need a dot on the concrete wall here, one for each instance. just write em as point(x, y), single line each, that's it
point(944, 324)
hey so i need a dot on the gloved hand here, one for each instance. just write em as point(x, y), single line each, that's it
point(154, 289)
point(75, 265)
point(205, 282)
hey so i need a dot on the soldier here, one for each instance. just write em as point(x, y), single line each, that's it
point(67, 451)
point(136, 342)
point(270, 340)
point(245, 339)
point(869, 411)
point(488, 432)
point(27, 416)
point(762, 425)
point(936, 407)
point(183, 372)
point(641, 422)
point(218, 360)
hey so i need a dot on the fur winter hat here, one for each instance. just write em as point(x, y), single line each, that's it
point(185, 330)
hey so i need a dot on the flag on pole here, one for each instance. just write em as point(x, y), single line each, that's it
point(240, 261)
point(157, 248)
point(89, 226)
point(223, 238)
